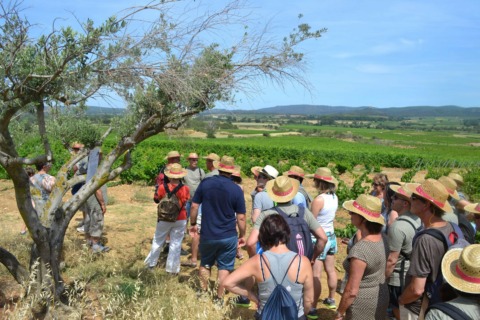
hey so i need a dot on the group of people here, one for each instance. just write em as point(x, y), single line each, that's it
point(391, 261)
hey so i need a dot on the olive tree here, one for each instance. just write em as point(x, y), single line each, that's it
point(167, 68)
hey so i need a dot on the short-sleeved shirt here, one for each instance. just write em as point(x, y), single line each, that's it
point(221, 199)
point(300, 200)
point(193, 179)
point(290, 209)
point(425, 261)
point(212, 173)
point(400, 236)
point(183, 194)
point(262, 201)
point(471, 307)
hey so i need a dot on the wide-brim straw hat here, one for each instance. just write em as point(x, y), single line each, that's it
point(473, 208)
point(450, 185)
point(226, 164)
point(324, 174)
point(433, 191)
point(367, 206)
point(213, 157)
point(193, 155)
point(237, 173)
point(461, 268)
point(175, 171)
point(256, 170)
point(173, 154)
point(295, 171)
point(402, 191)
point(282, 189)
point(456, 177)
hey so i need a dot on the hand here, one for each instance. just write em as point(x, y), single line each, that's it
point(241, 242)
point(193, 231)
point(345, 240)
point(104, 208)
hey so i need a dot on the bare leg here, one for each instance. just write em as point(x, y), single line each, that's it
point(317, 284)
point(204, 277)
point(195, 242)
point(222, 274)
point(329, 265)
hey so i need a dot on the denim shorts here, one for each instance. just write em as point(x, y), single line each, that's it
point(223, 252)
point(331, 247)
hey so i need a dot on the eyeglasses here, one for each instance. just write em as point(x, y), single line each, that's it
point(375, 184)
point(415, 197)
point(262, 176)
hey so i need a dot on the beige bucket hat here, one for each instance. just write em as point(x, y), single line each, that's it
point(175, 171)
point(461, 268)
point(457, 178)
point(450, 185)
point(324, 174)
point(282, 189)
point(403, 192)
point(193, 155)
point(226, 164)
point(367, 206)
point(237, 172)
point(213, 157)
point(256, 170)
point(432, 191)
point(473, 208)
point(173, 154)
point(295, 171)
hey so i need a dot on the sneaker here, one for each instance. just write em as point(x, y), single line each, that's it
point(312, 314)
point(98, 248)
point(184, 252)
point(330, 303)
point(241, 301)
point(81, 229)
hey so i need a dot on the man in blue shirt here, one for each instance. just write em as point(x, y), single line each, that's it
point(223, 208)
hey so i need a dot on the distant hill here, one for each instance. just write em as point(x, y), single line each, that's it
point(97, 111)
point(319, 110)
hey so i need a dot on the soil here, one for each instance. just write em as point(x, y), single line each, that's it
point(129, 226)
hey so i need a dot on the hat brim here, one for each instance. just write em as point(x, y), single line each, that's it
point(176, 175)
point(285, 197)
point(413, 186)
point(332, 180)
point(348, 205)
point(169, 157)
point(255, 170)
point(472, 208)
point(293, 173)
point(450, 274)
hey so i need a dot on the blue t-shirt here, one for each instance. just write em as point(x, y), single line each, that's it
point(221, 198)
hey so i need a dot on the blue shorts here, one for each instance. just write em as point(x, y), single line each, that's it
point(330, 247)
point(223, 252)
point(395, 293)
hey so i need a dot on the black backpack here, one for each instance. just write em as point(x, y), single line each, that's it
point(169, 206)
point(454, 240)
point(300, 239)
point(280, 305)
point(406, 256)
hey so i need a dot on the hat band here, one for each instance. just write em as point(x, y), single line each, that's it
point(368, 212)
point(323, 177)
point(225, 166)
point(402, 192)
point(451, 191)
point(478, 207)
point(175, 172)
point(293, 173)
point(282, 194)
point(465, 276)
point(428, 197)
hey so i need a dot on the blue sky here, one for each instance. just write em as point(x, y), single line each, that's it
point(375, 53)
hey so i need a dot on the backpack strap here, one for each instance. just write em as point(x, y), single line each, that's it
point(281, 212)
point(450, 310)
point(298, 270)
point(174, 191)
point(273, 277)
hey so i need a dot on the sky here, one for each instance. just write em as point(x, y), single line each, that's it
point(375, 53)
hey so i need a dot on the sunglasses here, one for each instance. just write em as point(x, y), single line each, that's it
point(376, 184)
point(414, 197)
point(262, 176)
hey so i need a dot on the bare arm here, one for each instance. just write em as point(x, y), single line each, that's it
point(193, 219)
point(255, 214)
point(357, 269)
point(317, 206)
point(321, 242)
point(308, 302)
point(234, 282)
point(101, 201)
point(413, 291)
point(391, 262)
point(241, 223)
point(252, 242)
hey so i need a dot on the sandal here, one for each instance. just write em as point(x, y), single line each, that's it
point(189, 263)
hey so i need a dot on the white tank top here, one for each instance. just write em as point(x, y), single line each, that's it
point(326, 216)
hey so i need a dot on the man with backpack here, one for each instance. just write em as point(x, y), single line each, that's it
point(400, 237)
point(172, 157)
point(300, 220)
point(429, 201)
point(302, 198)
point(171, 220)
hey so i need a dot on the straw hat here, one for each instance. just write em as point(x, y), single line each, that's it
point(213, 157)
point(237, 173)
point(172, 154)
point(367, 206)
point(175, 171)
point(295, 171)
point(77, 145)
point(324, 174)
point(450, 185)
point(282, 189)
point(269, 171)
point(403, 192)
point(432, 191)
point(461, 268)
point(193, 155)
point(256, 170)
point(473, 208)
point(226, 164)
point(456, 177)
